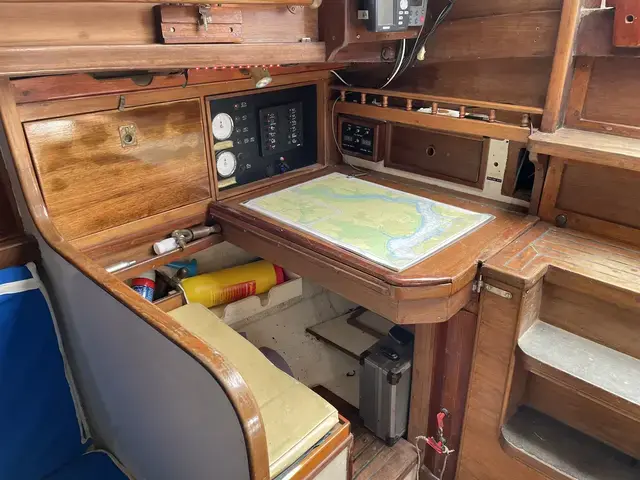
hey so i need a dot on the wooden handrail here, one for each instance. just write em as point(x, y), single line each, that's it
point(465, 102)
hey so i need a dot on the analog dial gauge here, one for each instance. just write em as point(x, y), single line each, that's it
point(226, 164)
point(222, 126)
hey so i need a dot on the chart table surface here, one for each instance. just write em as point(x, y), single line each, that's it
point(390, 227)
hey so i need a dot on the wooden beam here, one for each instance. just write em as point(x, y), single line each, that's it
point(16, 61)
point(562, 61)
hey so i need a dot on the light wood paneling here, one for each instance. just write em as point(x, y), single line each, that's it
point(91, 182)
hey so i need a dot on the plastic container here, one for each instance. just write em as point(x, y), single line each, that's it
point(231, 284)
point(145, 284)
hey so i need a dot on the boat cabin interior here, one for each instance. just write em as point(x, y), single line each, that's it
point(320, 239)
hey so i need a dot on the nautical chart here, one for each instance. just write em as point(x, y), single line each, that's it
point(390, 227)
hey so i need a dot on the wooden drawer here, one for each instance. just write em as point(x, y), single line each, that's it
point(94, 177)
point(448, 157)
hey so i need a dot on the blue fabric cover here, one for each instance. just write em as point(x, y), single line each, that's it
point(91, 466)
point(39, 429)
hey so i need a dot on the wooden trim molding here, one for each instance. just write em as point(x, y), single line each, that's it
point(222, 371)
point(43, 60)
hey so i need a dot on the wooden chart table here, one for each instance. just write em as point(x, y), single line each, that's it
point(431, 292)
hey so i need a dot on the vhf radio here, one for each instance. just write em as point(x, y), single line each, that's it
point(393, 15)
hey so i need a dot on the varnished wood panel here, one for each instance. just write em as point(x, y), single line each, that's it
point(608, 194)
point(500, 36)
point(518, 81)
point(80, 23)
point(481, 456)
point(453, 158)
point(603, 268)
point(91, 182)
point(122, 23)
point(612, 92)
point(487, 8)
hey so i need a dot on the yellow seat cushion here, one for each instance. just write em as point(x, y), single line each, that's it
point(294, 416)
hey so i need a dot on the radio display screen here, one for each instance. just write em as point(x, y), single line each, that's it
point(385, 12)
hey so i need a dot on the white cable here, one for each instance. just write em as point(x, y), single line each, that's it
point(398, 64)
point(335, 139)
point(341, 79)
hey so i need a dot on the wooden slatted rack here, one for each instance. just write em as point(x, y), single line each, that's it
point(399, 107)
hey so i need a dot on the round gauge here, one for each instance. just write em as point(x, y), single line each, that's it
point(222, 126)
point(226, 164)
point(404, 4)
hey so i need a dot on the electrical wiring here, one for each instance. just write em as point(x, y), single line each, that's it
point(361, 172)
point(398, 64)
point(421, 43)
point(341, 79)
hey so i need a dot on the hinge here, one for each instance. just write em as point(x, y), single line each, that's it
point(479, 284)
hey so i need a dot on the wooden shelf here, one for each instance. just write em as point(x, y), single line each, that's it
point(594, 371)
point(560, 452)
point(16, 61)
point(347, 335)
point(147, 260)
point(588, 147)
point(505, 107)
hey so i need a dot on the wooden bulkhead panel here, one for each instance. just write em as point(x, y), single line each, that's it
point(93, 180)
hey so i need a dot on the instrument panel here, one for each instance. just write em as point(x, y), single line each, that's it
point(263, 134)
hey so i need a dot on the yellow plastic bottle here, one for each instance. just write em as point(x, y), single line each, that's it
point(231, 284)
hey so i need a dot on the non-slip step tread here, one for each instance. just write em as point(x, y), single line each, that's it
point(563, 452)
point(606, 374)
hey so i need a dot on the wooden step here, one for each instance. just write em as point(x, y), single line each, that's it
point(560, 452)
point(594, 371)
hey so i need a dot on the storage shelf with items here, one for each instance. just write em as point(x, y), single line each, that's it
point(463, 116)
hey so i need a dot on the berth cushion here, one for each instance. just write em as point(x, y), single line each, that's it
point(294, 417)
point(39, 428)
